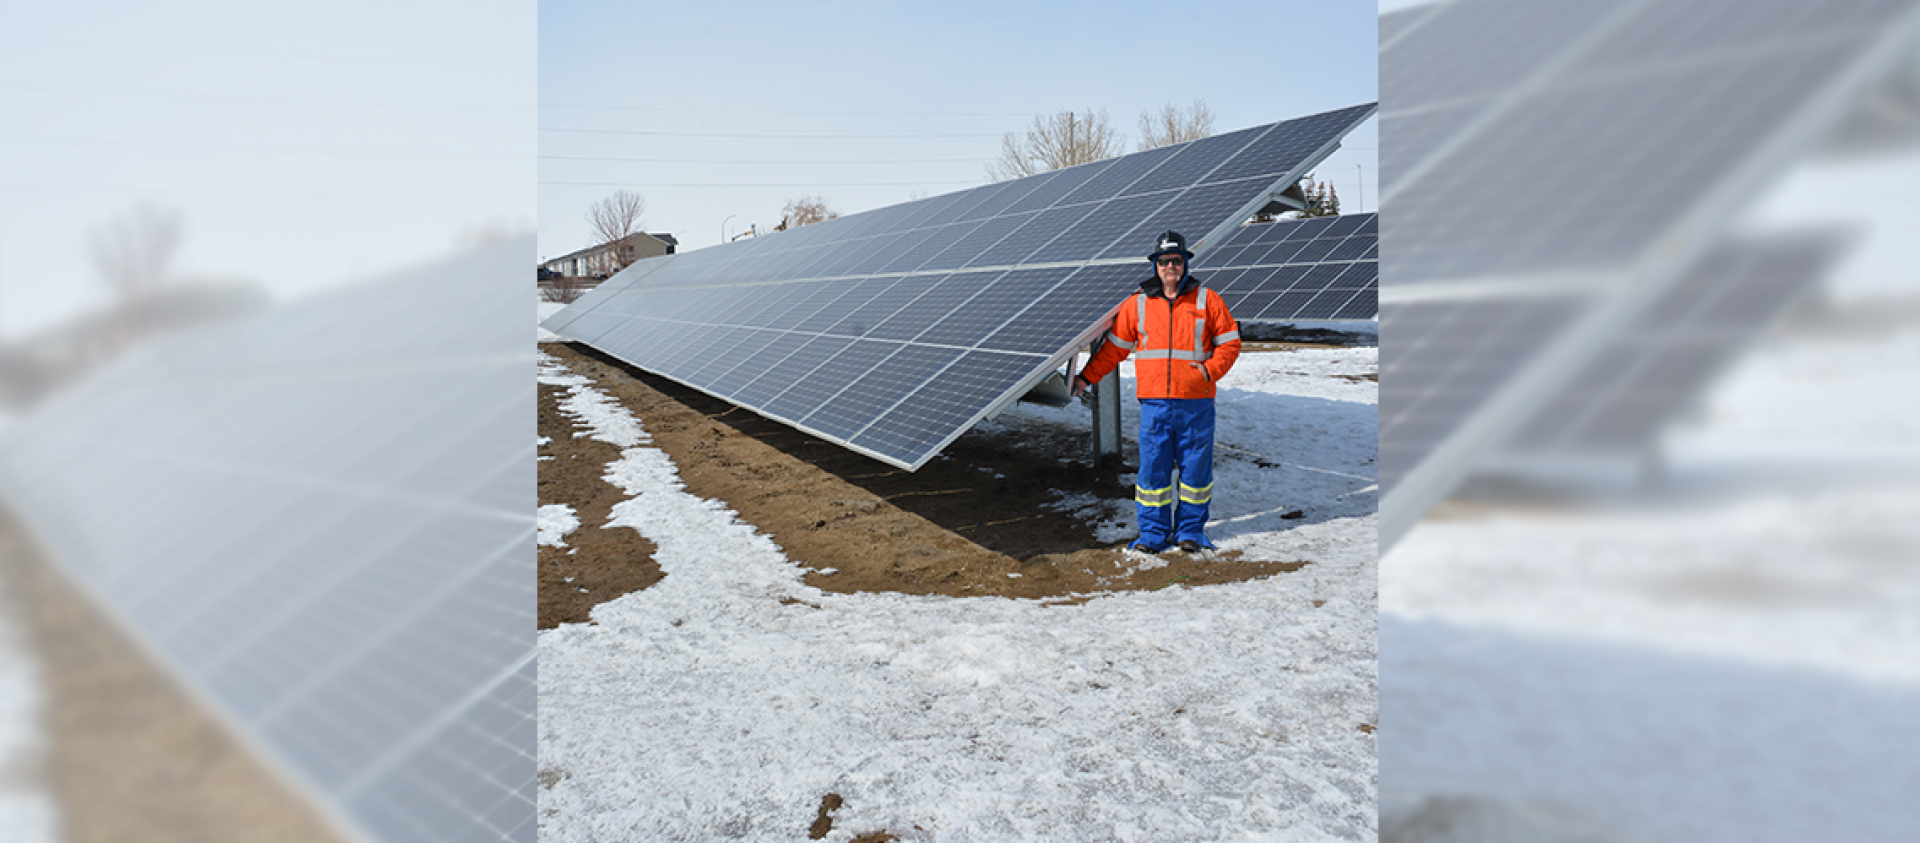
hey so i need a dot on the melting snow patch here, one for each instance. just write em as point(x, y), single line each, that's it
point(705, 706)
point(556, 520)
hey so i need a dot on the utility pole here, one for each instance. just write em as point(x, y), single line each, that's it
point(1360, 191)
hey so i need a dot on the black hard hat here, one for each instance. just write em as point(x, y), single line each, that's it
point(1169, 242)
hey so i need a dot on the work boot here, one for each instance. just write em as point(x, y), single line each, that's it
point(1144, 545)
point(1189, 546)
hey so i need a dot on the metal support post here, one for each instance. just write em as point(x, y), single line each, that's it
point(1106, 420)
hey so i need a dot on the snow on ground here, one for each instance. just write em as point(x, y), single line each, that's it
point(1731, 656)
point(1727, 655)
point(1311, 414)
point(1781, 536)
point(729, 699)
point(555, 521)
point(27, 812)
point(546, 309)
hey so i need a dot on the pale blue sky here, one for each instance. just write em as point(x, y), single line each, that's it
point(716, 112)
point(302, 144)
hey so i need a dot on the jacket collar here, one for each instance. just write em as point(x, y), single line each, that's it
point(1151, 286)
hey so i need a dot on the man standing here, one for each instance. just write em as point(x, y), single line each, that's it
point(1183, 341)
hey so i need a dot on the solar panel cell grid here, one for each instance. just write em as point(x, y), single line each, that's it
point(1098, 230)
point(1086, 297)
point(1198, 211)
point(834, 376)
point(893, 379)
point(1029, 236)
point(1365, 304)
point(939, 410)
point(1114, 180)
point(764, 303)
point(940, 296)
point(943, 238)
point(1442, 347)
point(890, 274)
point(1194, 163)
point(821, 374)
point(995, 295)
point(1621, 399)
point(746, 345)
point(1298, 269)
point(888, 297)
point(796, 367)
point(1502, 116)
point(1351, 248)
point(996, 202)
point(1055, 186)
point(976, 244)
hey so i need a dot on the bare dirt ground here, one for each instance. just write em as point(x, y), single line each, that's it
point(957, 527)
point(128, 754)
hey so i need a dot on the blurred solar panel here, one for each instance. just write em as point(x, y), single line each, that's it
point(1321, 268)
point(321, 520)
point(1655, 369)
point(1550, 168)
point(895, 330)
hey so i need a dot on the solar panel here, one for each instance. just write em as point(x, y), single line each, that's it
point(1622, 399)
point(1321, 268)
point(1548, 169)
point(321, 521)
point(895, 330)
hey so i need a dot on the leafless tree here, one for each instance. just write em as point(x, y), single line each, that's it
point(805, 210)
point(1172, 125)
point(615, 218)
point(565, 289)
point(134, 252)
point(1061, 140)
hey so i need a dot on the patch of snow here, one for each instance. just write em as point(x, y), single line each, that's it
point(1727, 654)
point(706, 707)
point(1112, 520)
point(598, 414)
point(555, 521)
point(546, 309)
point(28, 813)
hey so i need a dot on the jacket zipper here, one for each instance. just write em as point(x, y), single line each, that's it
point(1170, 339)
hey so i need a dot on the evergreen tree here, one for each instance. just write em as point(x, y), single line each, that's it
point(1326, 200)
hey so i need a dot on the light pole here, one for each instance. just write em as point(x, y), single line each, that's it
point(723, 228)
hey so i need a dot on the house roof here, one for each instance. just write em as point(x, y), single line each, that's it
point(663, 239)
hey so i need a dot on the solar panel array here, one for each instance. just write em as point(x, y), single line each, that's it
point(1549, 168)
point(895, 330)
point(1321, 268)
point(1630, 391)
point(321, 520)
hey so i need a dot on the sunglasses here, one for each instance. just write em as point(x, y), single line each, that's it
point(1175, 260)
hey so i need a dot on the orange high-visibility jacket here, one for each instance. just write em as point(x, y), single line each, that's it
point(1180, 348)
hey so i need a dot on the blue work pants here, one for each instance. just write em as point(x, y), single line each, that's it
point(1174, 432)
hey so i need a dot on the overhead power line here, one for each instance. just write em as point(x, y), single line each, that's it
point(858, 161)
point(644, 133)
point(805, 112)
point(804, 185)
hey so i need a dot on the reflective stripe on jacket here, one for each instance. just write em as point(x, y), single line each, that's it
point(1180, 348)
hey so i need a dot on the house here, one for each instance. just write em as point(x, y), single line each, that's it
point(601, 261)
